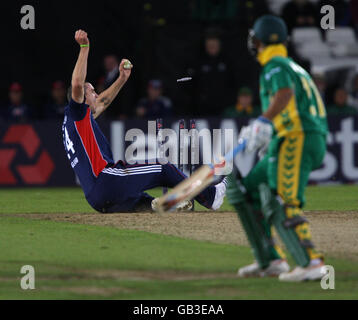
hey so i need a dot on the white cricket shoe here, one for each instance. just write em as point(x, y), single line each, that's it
point(304, 274)
point(251, 270)
point(275, 268)
point(219, 194)
point(186, 205)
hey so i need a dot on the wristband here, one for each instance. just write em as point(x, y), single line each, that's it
point(84, 45)
point(264, 120)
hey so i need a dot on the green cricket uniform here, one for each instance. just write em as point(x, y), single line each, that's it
point(305, 111)
point(299, 141)
point(298, 144)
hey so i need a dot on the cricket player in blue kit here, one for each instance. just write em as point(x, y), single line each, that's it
point(108, 186)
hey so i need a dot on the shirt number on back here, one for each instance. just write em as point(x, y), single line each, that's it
point(69, 143)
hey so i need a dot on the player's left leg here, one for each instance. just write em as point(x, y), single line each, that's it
point(298, 155)
point(243, 194)
point(133, 180)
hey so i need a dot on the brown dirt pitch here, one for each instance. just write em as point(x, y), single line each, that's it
point(333, 232)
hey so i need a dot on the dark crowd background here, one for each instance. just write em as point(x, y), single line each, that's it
point(165, 40)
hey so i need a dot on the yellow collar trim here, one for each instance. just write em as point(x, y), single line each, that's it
point(271, 51)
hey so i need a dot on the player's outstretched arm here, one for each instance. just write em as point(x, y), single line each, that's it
point(106, 97)
point(80, 70)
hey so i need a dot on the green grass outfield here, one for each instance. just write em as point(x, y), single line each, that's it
point(98, 262)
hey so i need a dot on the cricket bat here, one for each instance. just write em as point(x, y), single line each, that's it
point(197, 182)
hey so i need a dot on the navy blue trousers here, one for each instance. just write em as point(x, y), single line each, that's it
point(121, 188)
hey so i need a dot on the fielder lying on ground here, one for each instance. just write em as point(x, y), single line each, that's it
point(113, 187)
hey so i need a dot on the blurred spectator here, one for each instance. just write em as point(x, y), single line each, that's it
point(213, 79)
point(299, 13)
point(243, 106)
point(100, 86)
point(16, 110)
point(56, 107)
point(111, 66)
point(154, 105)
point(249, 10)
point(321, 85)
point(353, 96)
point(340, 104)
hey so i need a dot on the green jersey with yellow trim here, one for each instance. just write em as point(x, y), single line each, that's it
point(305, 111)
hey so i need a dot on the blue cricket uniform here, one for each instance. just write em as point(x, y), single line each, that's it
point(109, 186)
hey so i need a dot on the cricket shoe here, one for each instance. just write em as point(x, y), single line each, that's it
point(275, 268)
point(219, 194)
point(186, 205)
point(299, 274)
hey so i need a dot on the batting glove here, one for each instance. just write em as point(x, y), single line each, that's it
point(257, 135)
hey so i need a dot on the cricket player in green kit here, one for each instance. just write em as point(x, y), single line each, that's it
point(290, 137)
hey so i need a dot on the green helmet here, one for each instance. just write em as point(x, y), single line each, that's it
point(270, 29)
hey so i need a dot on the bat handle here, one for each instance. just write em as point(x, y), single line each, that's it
point(231, 154)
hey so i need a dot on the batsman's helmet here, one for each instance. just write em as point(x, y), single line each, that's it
point(268, 29)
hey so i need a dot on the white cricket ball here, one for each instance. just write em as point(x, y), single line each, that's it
point(127, 65)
